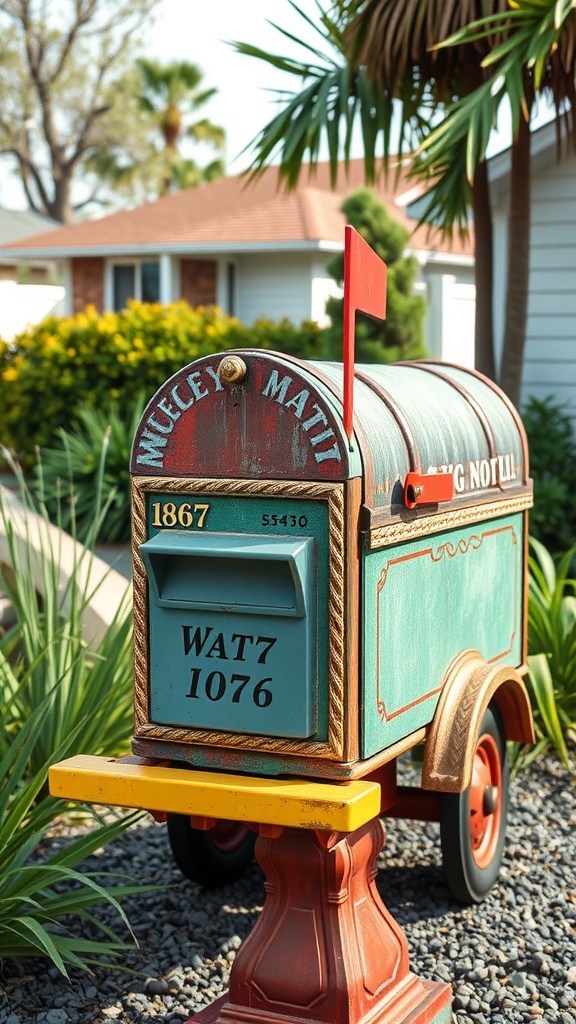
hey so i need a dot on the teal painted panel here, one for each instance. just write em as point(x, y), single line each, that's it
point(423, 603)
point(244, 572)
point(243, 659)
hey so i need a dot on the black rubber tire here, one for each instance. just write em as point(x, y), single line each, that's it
point(200, 855)
point(468, 882)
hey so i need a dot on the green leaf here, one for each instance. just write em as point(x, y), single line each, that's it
point(28, 929)
point(542, 687)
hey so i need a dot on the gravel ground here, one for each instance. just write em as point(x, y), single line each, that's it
point(511, 959)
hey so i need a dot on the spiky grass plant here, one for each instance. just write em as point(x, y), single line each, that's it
point(61, 693)
point(37, 895)
point(552, 648)
point(94, 455)
point(48, 652)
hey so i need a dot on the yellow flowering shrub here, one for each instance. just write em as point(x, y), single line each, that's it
point(53, 371)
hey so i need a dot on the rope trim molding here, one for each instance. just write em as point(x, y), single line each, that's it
point(383, 536)
point(333, 494)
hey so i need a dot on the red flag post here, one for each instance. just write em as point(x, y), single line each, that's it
point(364, 290)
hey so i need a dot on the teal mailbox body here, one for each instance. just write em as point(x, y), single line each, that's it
point(303, 601)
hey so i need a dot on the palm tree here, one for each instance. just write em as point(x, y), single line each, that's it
point(171, 96)
point(535, 56)
point(386, 73)
point(397, 43)
point(388, 61)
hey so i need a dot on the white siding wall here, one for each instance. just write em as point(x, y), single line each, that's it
point(550, 356)
point(323, 287)
point(449, 329)
point(297, 286)
point(550, 362)
point(275, 286)
point(25, 305)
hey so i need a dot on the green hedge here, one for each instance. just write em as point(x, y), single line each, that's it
point(67, 364)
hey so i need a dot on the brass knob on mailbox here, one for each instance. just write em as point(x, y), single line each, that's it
point(232, 370)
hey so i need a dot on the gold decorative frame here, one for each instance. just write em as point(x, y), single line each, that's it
point(397, 531)
point(333, 494)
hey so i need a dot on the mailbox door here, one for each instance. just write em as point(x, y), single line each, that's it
point(233, 631)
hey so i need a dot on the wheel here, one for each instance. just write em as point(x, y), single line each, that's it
point(473, 823)
point(214, 857)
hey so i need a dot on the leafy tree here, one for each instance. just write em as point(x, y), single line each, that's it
point(376, 66)
point(400, 336)
point(552, 445)
point(446, 98)
point(57, 62)
point(171, 95)
point(399, 51)
point(166, 99)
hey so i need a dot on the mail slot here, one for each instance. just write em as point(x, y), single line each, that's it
point(235, 616)
point(311, 601)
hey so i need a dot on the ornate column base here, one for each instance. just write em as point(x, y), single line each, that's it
point(325, 950)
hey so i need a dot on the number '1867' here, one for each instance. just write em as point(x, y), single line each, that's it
point(167, 513)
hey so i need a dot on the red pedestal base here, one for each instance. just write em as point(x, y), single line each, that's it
point(325, 950)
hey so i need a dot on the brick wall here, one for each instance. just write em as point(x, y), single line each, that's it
point(87, 283)
point(198, 282)
point(23, 273)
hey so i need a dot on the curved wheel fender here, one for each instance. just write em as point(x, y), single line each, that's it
point(470, 685)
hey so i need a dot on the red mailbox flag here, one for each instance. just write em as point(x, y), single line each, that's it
point(364, 289)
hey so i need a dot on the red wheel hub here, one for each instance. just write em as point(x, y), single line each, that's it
point(227, 836)
point(485, 800)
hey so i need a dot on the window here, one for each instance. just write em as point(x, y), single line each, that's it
point(124, 284)
point(230, 306)
point(135, 281)
point(150, 282)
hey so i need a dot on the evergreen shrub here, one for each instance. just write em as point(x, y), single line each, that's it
point(401, 334)
point(552, 446)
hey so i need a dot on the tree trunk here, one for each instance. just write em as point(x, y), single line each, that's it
point(484, 250)
point(60, 206)
point(483, 274)
point(518, 266)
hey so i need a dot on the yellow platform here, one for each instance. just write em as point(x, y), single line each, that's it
point(127, 782)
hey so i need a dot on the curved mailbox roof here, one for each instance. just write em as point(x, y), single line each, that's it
point(284, 421)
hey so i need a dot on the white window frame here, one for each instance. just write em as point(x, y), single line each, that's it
point(131, 261)
point(222, 286)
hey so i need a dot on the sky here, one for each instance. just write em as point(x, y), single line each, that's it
point(200, 31)
point(197, 31)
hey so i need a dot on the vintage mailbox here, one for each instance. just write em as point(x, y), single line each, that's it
point(329, 569)
point(308, 604)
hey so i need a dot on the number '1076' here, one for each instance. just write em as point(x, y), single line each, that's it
point(216, 686)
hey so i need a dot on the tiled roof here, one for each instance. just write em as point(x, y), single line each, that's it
point(232, 211)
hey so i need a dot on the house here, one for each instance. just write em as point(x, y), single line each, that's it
point(251, 249)
point(550, 353)
point(16, 225)
point(22, 304)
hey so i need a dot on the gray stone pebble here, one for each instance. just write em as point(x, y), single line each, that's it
point(510, 960)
